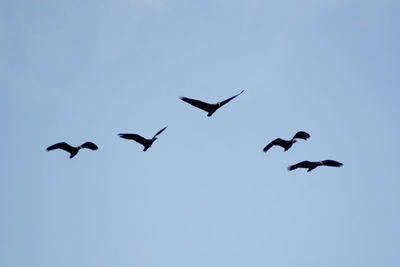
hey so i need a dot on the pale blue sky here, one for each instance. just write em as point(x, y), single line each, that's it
point(204, 194)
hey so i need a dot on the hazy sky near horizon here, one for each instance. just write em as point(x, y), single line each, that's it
point(204, 194)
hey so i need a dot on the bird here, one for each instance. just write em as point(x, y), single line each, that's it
point(210, 108)
point(72, 149)
point(141, 140)
point(286, 144)
point(310, 165)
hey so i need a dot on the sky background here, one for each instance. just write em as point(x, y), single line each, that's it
point(204, 194)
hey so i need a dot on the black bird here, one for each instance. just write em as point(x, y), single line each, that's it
point(210, 108)
point(145, 142)
point(72, 149)
point(286, 144)
point(312, 165)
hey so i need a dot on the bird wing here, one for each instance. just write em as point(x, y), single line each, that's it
point(331, 163)
point(134, 137)
point(303, 164)
point(276, 142)
point(89, 145)
point(160, 131)
point(198, 104)
point(301, 135)
point(62, 145)
point(229, 99)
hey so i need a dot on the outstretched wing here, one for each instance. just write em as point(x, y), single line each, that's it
point(331, 163)
point(198, 104)
point(160, 131)
point(89, 145)
point(276, 142)
point(63, 146)
point(303, 164)
point(301, 135)
point(134, 137)
point(229, 99)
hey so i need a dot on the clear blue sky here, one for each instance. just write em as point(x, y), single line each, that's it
point(204, 194)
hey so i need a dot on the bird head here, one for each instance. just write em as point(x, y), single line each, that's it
point(294, 141)
point(218, 104)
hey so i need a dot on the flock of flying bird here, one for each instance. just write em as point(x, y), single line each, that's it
point(210, 109)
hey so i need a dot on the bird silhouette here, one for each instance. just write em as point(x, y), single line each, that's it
point(210, 108)
point(310, 165)
point(141, 140)
point(72, 149)
point(286, 144)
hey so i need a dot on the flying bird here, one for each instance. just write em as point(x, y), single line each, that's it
point(72, 149)
point(312, 165)
point(141, 140)
point(210, 108)
point(286, 144)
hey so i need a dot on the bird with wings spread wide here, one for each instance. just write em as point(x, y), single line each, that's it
point(310, 165)
point(72, 149)
point(286, 144)
point(209, 108)
point(141, 140)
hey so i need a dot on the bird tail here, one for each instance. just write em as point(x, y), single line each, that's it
point(311, 168)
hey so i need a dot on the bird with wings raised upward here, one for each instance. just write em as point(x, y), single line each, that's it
point(141, 140)
point(209, 108)
point(286, 144)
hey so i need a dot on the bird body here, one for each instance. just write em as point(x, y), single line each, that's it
point(310, 165)
point(72, 149)
point(286, 144)
point(141, 140)
point(209, 108)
